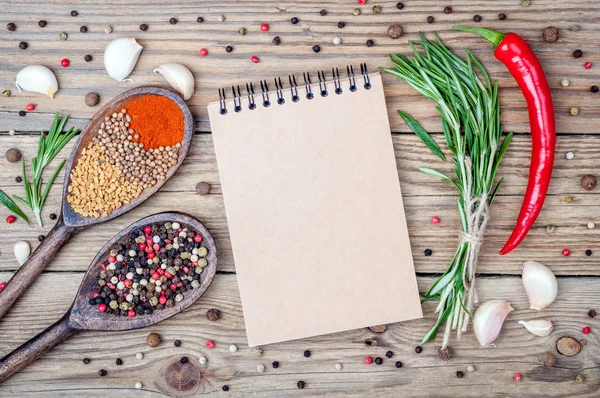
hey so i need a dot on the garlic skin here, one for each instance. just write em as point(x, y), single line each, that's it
point(540, 285)
point(538, 327)
point(22, 251)
point(37, 78)
point(488, 320)
point(120, 57)
point(179, 77)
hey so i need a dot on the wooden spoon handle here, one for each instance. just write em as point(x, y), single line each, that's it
point(36, 347)
point(36, 263)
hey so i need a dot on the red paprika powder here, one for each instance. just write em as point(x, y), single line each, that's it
point(157, 121)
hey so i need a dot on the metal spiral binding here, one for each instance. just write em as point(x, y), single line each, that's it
point(237, 99)
point(250, 91)
point(322, 84)
point(293, 87)
point(309, 93)
point(279, 89)
point(264, 87)
point(365, 73)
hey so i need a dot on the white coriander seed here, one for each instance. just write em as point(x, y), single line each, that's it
point(337, 40)
point(139, 355)
point(11, 132)
point(338, 366)
point(108, 29)
point(260, 368)
point(569, 155)
point(221, 18)
point(565, 83)
point(470, 368)
point(233, 348)
point(591, 225)
point(138, 385)
point(202, 360)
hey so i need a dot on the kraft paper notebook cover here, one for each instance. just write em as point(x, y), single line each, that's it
point(314, 208)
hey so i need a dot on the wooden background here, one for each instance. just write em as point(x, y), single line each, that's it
point(61, 372)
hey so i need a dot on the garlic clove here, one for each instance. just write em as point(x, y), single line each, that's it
point(488, 320)
point(540, 285)
point(22, 251)
point(539, 327)
point(179, 77)
point(37, 78)
point(120, 57)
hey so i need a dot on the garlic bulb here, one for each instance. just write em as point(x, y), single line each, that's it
point(37, 78)
point(540, 285)
point(539, 327)
point(120, 57)
point(179, 77)
point(488, 320)
point(22, 251)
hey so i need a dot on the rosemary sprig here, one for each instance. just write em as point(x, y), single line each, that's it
point(12, 206)
point(48, 147)
point(470, 111)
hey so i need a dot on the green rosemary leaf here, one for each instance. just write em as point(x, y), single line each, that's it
point(12, 206)
point(51, 181)
point(422, 134)
point(433, 332)
point(494, 191)
point(436, 173)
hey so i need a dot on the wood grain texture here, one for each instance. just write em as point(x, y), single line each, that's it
point(421, 375)
point(424, 197)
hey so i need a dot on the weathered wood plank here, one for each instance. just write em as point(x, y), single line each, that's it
point(424, 197)
point(181, 42)
point(422, 375)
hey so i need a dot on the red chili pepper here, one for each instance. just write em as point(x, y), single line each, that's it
point(525, 67)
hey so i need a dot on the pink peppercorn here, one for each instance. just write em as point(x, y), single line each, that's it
point(156, 247)
point(147, 229)
point(362, 2)
point(2, 286)
point(168, 275)
point(254, 59)
point(112, 259)
point(128, 283)
point(131, 313)
point(30, 107)
point(102, 307)
point(203, 52)
point(586, 330)
point(162, 299)
point(151, 255)
point(142, 246)
point(368, 360)
point(210, 344)
point(264, 27)
point(517, 377)
point(435, 220)
point(155, 275)
point(11, 219)
point(587, 65)
point(64, 63)
point(566, 252)
point(96, 294)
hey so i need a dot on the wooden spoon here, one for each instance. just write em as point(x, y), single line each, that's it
point(69, 222)
point(83, 316)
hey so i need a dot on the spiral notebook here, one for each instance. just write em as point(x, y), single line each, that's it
point(313, 205)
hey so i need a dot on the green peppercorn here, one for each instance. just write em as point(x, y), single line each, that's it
point(356, 12)
point(569, 199)
point(580, 378)
point(377, 9)
point(550, 229)
point(525, 3)
point(574, 28)
point(63, 36)
point(242, 31)
point(6, 93)
point(574, 111)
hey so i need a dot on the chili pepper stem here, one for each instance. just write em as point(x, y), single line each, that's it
point(492, 36)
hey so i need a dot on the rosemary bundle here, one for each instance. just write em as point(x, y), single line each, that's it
point(468, 103)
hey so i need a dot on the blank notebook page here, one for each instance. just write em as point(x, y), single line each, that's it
point(315, 213)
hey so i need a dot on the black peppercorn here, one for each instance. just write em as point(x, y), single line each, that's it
point(18, 179)
point(225, 388)
point(370, 43)
point(301, 384)
point(588, 252)
point(430, 19)
point(87, 58)
point(378, 361)
point(229, 49)
point(307, 353)
point(460, 374)
point(119, 361)
point(42, 23)
point(199, 19)
point(398, 364)
point(276, 40)
point(447, 10)
point(323, 12)
point(177, 343)
point(341, 24)
point(102, 372)
point(578, 53)
point(183, 360)
point(173, 21)
point(594, 89)
point(400, 5)
point(294, 20)
point(428, 252)
point(11, 27)
point(592, 313)
point(275, 364)
point(418, 349)
point(477, 18)
point(22, 113)
point(502, 16)
point(74, 13)
point(86, 361)
point(41, 238)
point(52, 216)
point(83, 29)
point(316, 48)
point(143, 27)
point(23, 45)
point(389, 354)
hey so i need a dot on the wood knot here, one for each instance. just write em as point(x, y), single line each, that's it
point(179, 379)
